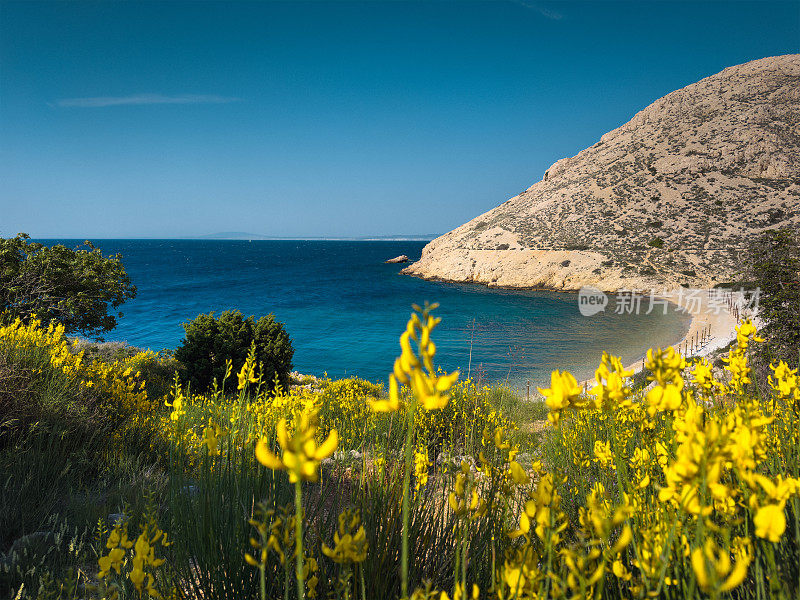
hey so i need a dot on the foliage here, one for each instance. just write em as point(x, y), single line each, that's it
point(695, 476)
point(73, 435)
point(47, 379)
point(773, 266)
point(74, 287)
point(211, 341)
point(686, 489)
point(156, 369)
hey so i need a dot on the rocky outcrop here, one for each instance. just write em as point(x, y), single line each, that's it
point(672, 197)
point(397, 259)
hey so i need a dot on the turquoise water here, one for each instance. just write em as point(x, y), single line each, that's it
point(344, 308)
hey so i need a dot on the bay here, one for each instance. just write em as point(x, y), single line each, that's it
point(344, 308)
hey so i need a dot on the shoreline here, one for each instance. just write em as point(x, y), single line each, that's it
point(708, 308)
point(708, 314)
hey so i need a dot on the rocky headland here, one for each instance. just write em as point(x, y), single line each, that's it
point(669, 199)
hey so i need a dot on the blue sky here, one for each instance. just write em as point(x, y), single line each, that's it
point(171, 119)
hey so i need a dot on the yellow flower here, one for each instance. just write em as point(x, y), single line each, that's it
point(770, 522)
point(611, 390)
point(350, 539)
point(177, 401)
point(703, 377)
point(785, 382)
point(310, 568)
point(745, 333)
point(620, 571)
point(390, 405)
point(723, 576)
point(517, 474)
point(144, 557)
point(117, 543)
point(737, 367)
point(211, 435)
point(528, 513)
point(664, 398)
point(666, 367)
point(563, 392)
point(662, 455)
point(415, 369)
point(421, 465)
point(603, 454)
point(276, 529)
point(137, 574)
point(514, 577)
point(247, 374)
point(300, 453)
point(463, 501)
point(113, 560)
point(379, 463)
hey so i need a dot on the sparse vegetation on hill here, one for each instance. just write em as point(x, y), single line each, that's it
point(703, 169)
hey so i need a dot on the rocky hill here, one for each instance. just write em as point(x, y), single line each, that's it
point(671, 197)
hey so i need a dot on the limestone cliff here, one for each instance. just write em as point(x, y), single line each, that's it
point(669, 198)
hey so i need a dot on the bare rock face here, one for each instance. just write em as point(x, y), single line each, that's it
point(397, 259)
point(672, 197)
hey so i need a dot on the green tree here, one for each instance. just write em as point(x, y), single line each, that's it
point(773, 266)
point(211, 340)
point(74, 287)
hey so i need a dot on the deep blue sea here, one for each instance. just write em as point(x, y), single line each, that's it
point(344, 308)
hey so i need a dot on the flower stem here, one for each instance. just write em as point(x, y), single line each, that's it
point(406, 493)
point(263, 582)
point(363, 587)
point(286, 572)
point(298, 538)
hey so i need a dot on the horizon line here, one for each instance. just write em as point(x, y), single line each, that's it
point(205, 238)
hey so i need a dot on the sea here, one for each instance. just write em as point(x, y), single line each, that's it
point(345, 308)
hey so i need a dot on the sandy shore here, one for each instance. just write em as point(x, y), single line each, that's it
point(713, 324)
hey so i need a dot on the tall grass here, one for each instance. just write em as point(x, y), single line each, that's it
point(688, 488)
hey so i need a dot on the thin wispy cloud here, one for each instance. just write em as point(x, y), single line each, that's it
point(542, 10)
point(143, 99)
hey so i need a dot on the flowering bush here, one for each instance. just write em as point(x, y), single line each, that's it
point(687, 489)
point(700, 475)
point(67, 382)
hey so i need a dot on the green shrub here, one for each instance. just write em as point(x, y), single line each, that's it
point(772, 265)
point(74, 287)
point(656, 243)
point(156, 370)
point(210, 341)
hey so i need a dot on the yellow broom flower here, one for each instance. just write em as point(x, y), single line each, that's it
point(300, 454)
